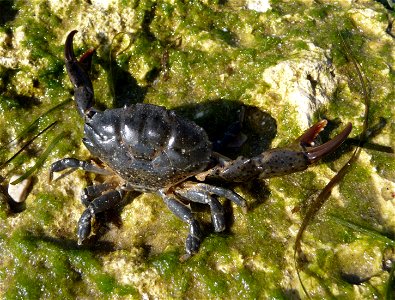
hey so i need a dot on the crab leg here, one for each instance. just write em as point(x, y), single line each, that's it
point(207, 194)
point(195, 235)
point(279, 161)
point(92, 192)
point(78, 74)
point(100, 204)
point(73, 163)
point(217, 211)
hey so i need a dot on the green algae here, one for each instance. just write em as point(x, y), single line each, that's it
point(241, 282)
point(53, 270)
point(214, 52)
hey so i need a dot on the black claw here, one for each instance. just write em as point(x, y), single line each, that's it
point(68, 46)
point(78, 74)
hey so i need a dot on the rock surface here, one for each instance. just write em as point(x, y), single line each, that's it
point(290, 63)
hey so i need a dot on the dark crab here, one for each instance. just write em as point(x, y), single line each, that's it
point(152, 149)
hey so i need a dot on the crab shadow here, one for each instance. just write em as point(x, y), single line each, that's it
point(235, 129)
point(9, 13)
point(123, 85)
point(67, 243)
point(358, 141)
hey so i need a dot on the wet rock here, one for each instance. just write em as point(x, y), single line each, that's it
point(19, 192)
point(359, 261)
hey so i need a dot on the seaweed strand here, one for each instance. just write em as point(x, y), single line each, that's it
point(326, 191)
point(41, 159)
point(26, 145)
point(32, 126)
point(131, 40)
point(364, 230)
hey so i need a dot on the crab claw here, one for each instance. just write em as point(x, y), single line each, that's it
point(299, 155)
point(278, 161)
point(315, 153)
point(78, 74)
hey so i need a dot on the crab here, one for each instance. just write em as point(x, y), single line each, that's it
point(152, 149)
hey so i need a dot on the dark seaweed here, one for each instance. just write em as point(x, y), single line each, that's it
point(318, 202)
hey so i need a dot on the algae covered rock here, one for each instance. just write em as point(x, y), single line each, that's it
point(288, 63)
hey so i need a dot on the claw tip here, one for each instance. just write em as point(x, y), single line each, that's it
point(316, 153)
point(68, 50)
point(323, 123)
